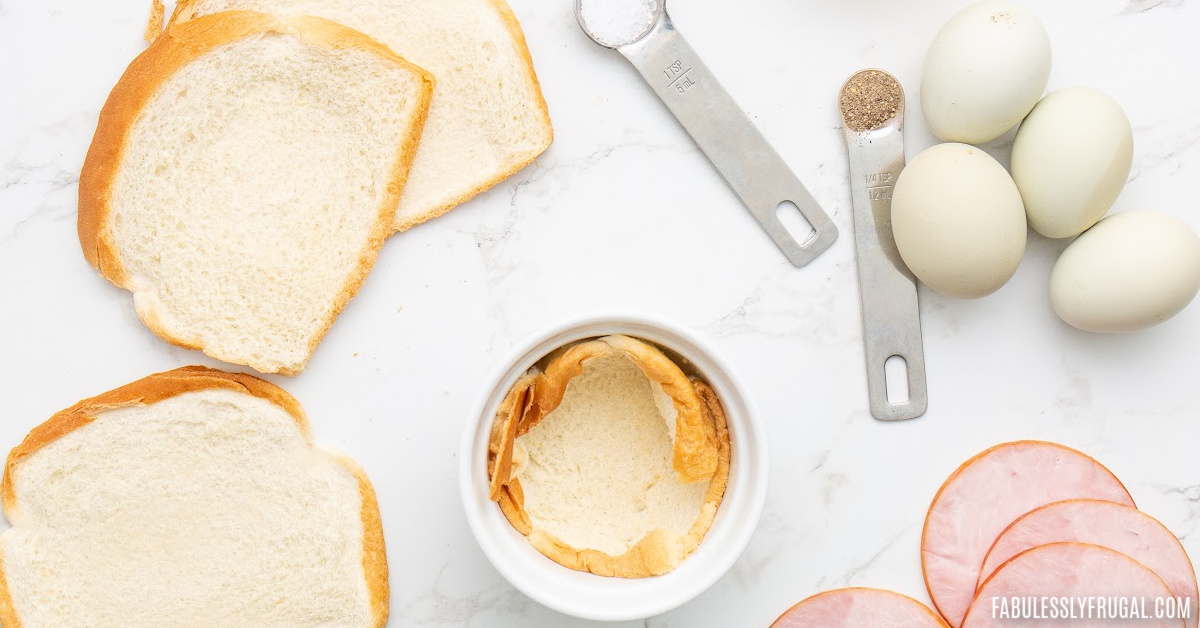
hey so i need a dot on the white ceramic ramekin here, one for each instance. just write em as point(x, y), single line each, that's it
point(615, 599)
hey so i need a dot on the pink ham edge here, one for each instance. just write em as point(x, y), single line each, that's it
point(859, 608)
point(985, 495)
point(1068, 570)
point(1107, 524)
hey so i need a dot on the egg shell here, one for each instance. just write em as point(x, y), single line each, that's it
point(1131, 271)
point(984, 71)
point(1070, 159)
point(958, 221)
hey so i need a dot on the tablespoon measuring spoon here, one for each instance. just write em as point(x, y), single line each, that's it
point(642, 31)
point(872, 107)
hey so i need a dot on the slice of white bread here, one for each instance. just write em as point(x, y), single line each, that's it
point(243, 176)
point(611, 461)
point(488, 118)
point(189, 498)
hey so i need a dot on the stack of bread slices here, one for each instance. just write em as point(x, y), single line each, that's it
point(248, 166)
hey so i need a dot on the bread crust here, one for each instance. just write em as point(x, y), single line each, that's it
point(178, 45)
point(185, 10)
point(702, 439)
point(513, 408)
point(159, 387)
point(8, 615)
point(375, 568)
point(154, 23)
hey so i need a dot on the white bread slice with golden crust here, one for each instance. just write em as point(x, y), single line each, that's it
point(488, 119)
point(611, 461)
point(189, 498)
point(244, 174)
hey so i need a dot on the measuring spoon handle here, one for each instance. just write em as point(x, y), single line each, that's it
point(757, 174)
point(891, 312)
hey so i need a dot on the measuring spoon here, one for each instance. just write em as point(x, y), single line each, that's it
point(757, 174)
point(891, 315)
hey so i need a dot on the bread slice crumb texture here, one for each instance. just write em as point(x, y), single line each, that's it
point(488, 119)
point(209, 507)
point(598, 473)
point(244, 199)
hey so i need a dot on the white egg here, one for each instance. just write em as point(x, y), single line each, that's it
point(1131, 271)
point(984, 71)
point(1070, 160)
point(958, 221)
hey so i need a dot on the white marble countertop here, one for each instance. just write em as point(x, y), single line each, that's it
point(624, 214)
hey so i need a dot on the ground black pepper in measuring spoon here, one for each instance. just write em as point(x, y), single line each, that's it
point(869, 100)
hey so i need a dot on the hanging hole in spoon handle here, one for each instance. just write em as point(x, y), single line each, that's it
point(895, 371)
point(793, 221)
point(757, 174)
point(896, 387)
point(797, 225)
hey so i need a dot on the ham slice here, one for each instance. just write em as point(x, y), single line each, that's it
point(984, 496)
point(859, 608)
point(1073, 578)
point(1115, 526)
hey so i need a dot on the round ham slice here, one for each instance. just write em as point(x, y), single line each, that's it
point(984, 496)
point(1115, 526)
point(1062, 578)
point(859, 608)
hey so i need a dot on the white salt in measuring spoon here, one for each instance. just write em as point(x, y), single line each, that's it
point(872, 106)
point(642, 31)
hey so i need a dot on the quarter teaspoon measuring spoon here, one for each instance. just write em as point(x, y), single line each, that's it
point(872, 107)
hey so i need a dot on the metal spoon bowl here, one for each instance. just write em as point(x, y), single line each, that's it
point(659, 9)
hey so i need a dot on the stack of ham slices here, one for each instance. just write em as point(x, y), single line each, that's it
point(1033, 520)
point(1033, 524)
